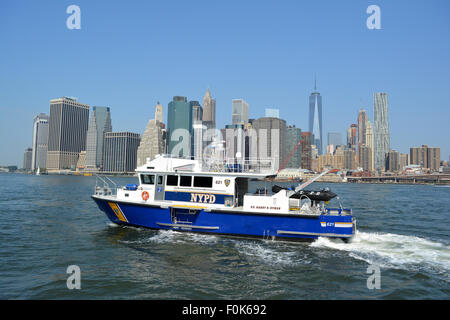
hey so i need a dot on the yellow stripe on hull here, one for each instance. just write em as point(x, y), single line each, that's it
point(343, 224)
point(187, 206)
point(117, 211)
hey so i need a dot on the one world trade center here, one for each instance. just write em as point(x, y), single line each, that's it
point(315, 118)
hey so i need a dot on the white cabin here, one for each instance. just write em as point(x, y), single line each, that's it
point(186, 183)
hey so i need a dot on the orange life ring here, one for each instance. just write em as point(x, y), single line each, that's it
point(145, 195)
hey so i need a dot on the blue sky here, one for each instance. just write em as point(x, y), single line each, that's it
point(130, 54)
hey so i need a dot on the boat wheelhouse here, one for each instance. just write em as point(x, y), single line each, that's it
point(190, 195)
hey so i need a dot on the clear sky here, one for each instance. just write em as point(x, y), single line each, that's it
point(130, 54)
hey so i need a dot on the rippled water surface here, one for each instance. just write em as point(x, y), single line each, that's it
point(50, 222)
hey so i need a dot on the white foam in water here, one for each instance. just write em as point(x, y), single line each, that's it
point(268, 252)
point(112, 225)
point(115, 225)
point(393, 250)
point(169, 236)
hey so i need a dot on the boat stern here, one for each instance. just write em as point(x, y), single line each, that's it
point(340, 223)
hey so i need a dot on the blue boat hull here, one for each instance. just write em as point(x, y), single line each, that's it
point(231, 223)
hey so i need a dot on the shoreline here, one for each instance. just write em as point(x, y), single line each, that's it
point(356, 180)
point(373, 182)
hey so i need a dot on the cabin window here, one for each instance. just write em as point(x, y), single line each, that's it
point(160, 180)
point(203, 182)
point(172, 180)
point(147, 179)
point(185, 181)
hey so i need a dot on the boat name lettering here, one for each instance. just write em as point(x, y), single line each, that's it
point(265, 208)
point(203, 198)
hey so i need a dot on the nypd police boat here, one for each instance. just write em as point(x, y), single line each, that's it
point(189, 195)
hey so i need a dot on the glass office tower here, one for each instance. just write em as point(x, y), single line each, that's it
point(179, 127)
point(99, 124)
point(381, 129)
point(315, 118)
point(67, 128)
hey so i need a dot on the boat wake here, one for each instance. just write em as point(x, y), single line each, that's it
point(393, 251)
point(270, 253)
point(174, 237)
point(169, 236)
point(112, 225)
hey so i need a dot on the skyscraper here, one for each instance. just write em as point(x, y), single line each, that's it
point(197, 111)
point(67, 130)
point(362, 122)
point(179, 127)
point(271, 139)
point(234, 136)
point(352, 136)
point(381, 129)
point(159, 112)
point(293, 137)
point(306, 155)
point(40, 142)
point(370, 143)
point(239, 111)
point(392, 161)
point(152, 141)
point(349, 159)
point(334, 138)
point(315, 118)
point(120, 151)
point(418, 155)
point(434, 158)
point(365, 158)
point(99, 124)
point(199, 144)
point(209, 110)
point(27, 155)
point(426, 157)
point(404, 160)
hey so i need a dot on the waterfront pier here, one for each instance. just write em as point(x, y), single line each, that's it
point(405, 179)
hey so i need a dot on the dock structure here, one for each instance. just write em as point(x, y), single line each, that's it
point(405, 179)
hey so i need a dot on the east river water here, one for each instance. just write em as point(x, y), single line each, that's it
point(49, 223)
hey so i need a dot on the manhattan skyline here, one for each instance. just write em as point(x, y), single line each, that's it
point(128, 57)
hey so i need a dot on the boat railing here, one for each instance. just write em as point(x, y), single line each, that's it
point(338, 211)
point(105, 189)
point(238, 165)
point(220, 164)
point(256, 194)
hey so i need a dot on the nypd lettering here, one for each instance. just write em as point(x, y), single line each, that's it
point(203, 198)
